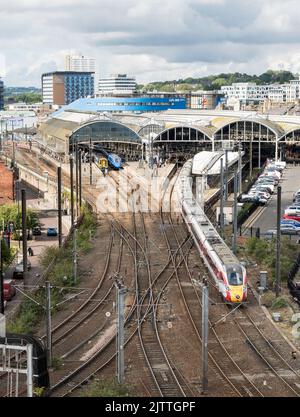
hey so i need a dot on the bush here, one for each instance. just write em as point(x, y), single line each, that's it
point(106, 388)
point(264, 253)
point(29, 312)
point(47, 256)
point(279, 302)
point(268, 299)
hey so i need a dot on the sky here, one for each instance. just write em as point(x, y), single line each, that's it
point(151, 39)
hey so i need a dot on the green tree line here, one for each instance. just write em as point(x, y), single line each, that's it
point(214, 82)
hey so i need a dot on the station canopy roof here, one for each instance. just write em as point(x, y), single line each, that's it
point(64, 122)
point(210, 162)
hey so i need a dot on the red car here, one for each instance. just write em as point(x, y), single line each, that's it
point(291, 217)
point(9, 290)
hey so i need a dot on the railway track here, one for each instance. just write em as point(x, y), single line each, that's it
point(189, 295)
point(267, 351)
point(73, 382)
point(163, 375)
point(81, 319)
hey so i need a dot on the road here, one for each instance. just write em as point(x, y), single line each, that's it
point(47, 219)
point(290, 183)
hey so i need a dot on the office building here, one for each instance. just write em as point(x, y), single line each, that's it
point(117, 84)
point(64, 87)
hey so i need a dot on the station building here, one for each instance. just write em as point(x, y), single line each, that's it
point(174, 133)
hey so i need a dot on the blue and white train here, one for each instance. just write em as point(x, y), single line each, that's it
point(113, 159)
point(227, 271)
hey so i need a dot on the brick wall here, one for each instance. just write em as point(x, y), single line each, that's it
point(6, 184)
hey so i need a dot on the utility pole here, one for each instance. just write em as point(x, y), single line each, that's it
point(277, 273)
point(91, 167)
point(226, 173)
point(76, 177)
point(204, 336)
point(240, 167)
point(48, 324)
point(222, 199)
point(1, 279)
point(13, 143)
point(80, 180)
point(59, 206)
point(72, 190)
point(24, 234)
point(75, 254)
point(234, 223)
point(121, 291)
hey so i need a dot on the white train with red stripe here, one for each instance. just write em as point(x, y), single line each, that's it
point(225, 268)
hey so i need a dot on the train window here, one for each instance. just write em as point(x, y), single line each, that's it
point(234, 274)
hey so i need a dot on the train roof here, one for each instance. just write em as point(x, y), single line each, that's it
point(211, 235)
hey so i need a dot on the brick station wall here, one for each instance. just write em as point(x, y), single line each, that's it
point(6, 184)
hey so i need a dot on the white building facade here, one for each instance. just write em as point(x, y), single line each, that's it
point(246, 92)
point(80, 63)
point(117, 84)
point(47, 89)
point(251, 92)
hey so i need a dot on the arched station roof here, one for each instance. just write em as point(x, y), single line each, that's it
point(105, 131)
point(200, 129)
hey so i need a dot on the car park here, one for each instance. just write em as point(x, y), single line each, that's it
point(51, 231)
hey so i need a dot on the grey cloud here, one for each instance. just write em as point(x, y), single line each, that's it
point(209, 34)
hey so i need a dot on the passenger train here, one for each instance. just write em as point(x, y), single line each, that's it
point(114, 160)
point(227, 271)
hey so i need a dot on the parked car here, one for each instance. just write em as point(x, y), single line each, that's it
point(296, 196)
point(270, 234)
point(246, 198)
point(37, 231)
point(263, 184)
point(291, 217)
point(268, 178)
point(273, 174)
point(8, 290)
point(289, 229)
point(19, 269)
point(292, 210)
point(261, 194)
point(265, 188)
point(51, 231)
point(287, 221)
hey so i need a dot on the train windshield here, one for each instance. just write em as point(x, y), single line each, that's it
point(234, 274)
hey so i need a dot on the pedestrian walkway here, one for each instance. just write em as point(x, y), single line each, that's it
point(37, 244)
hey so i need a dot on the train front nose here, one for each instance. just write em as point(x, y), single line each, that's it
point(236, 294)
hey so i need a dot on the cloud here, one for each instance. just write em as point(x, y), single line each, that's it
point(152, 39)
